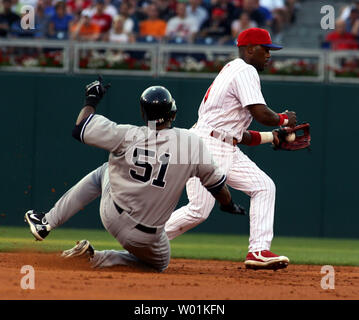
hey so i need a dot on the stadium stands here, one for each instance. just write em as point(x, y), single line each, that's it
point(176, 21)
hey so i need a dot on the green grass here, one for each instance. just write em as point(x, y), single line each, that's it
point(195, 245)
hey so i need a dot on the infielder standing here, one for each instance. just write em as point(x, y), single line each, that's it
point(139, 186)
point(226, 111)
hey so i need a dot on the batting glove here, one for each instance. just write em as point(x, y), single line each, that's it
point(233, 208)
point(95, 92)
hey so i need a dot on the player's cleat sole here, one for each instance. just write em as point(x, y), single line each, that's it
point(265, 260)
point(272, 266)
point(38, 224)
point(82, 248)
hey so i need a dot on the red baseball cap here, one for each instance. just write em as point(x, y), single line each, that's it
point(218, 12)
point(256, 36)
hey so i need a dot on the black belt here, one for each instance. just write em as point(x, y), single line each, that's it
point(138, 226)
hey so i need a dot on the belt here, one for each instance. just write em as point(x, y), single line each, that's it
point(139, 226)
point(217, 135)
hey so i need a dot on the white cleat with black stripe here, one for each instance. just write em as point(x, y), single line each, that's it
point(39, 227)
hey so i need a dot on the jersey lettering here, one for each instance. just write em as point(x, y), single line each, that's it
point(146, 176)
point(142, 164)
point(210, 87)
point(207, 93)
point(159, 181)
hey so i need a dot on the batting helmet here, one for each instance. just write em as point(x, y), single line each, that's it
point(157, 105)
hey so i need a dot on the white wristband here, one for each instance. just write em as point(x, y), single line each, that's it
point(266, 137)
point(285, 122)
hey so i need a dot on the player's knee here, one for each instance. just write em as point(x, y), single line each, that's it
point(270, 185)
point(199, 214)
point(202, 219)
point(200, 211)
point(163, 264)
point(266, 185)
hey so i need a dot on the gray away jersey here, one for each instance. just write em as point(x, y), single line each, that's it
point(148, 169)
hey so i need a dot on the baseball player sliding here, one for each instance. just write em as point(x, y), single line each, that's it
point(141, 183)
point(230, 104)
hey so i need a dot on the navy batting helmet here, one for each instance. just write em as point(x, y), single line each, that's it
point(157, 105)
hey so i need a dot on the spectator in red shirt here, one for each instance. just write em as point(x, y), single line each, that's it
point(76, 6)
point(102, 19)
point(340, 39)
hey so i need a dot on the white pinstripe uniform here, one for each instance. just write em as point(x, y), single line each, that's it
point(223, 109)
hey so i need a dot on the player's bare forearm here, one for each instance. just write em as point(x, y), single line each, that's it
point(246, 138)
point(84, 113)
point(223, 196)
point(266, 116)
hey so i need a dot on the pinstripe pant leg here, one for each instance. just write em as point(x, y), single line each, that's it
point(246, 176)
point(201, 202)
point(195, 212)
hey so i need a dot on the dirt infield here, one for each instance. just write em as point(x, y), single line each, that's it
point(56, 278)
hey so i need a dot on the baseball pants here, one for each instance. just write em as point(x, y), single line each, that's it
point(242, 174)
point(142, 249)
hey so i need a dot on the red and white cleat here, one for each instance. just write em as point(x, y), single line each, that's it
point(265, 260)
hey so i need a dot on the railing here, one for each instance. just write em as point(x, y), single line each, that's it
point(296, 65)
point(109, 58)
point(35, 56)
point(343, 67)
point(194, 61)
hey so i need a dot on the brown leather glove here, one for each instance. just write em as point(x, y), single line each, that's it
point(292, 139)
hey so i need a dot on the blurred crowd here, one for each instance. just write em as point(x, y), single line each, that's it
point(346, 33)
point(128, 21)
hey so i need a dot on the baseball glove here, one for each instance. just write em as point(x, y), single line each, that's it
point(292, 139)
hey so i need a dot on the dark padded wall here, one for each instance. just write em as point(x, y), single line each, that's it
point(316, 191)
